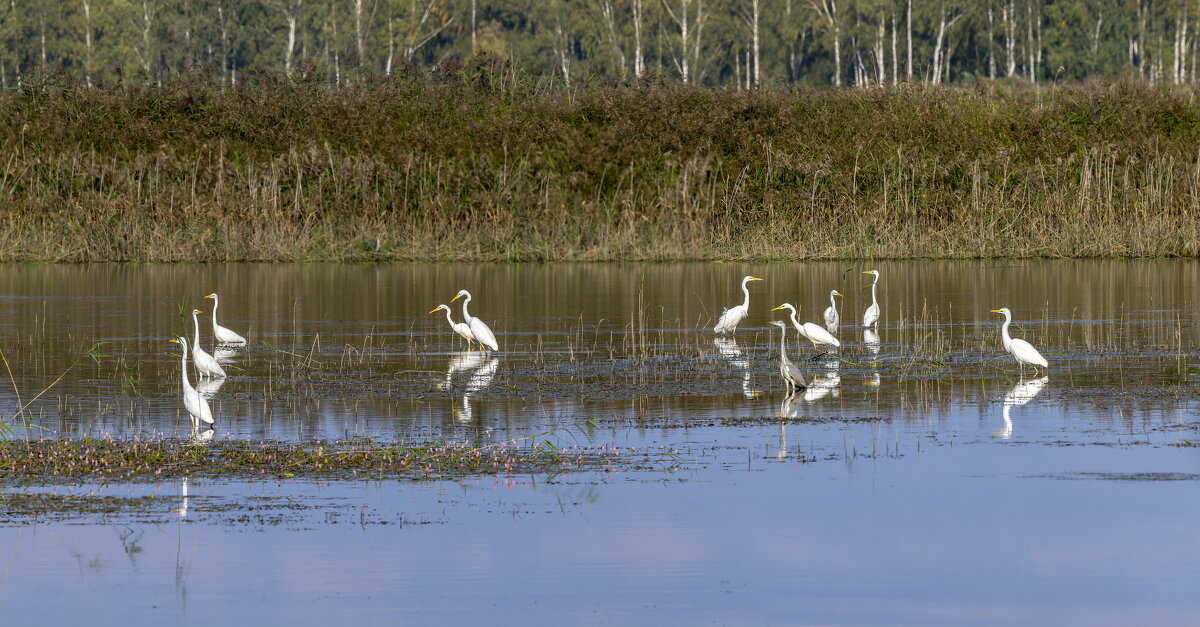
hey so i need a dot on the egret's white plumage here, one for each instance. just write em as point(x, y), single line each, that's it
point(461, 328)
point(832, 319)
point(730, 318)
point(871, 315)
point(206, 365)
point(1022, 351)
point(792, 377)
point(809, 331)
point(223, 335)
point(479, 329)
point(195, 404)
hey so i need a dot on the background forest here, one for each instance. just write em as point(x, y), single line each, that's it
point(731, 43)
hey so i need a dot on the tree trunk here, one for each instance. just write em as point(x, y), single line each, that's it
point(638, 63)
point(291, 13)
point(87, 41)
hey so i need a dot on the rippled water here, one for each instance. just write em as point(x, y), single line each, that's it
point(920, 479)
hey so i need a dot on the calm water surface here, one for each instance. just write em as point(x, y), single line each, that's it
point(920, 479)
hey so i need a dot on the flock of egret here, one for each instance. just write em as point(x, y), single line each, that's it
point(474, 330)
point(1022, 351)
point(207, 366)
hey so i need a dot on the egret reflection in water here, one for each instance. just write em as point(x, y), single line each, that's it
point(728, 348)
point(208, 388)
point(1020, 394)
point(225, 354)
point(827, 382)
point(479, 381)
point(460, 362)
point(871, 341)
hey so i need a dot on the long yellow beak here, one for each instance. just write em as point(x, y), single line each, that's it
point(174, 341)
point(779, 307)
point(837, 293)
point(455, 297)
point(995, 311)
point(754, 278)
point(437, 308)
point(211, 296)
point(867, 271)
point(197, 311)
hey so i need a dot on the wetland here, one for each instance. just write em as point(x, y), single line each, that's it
point(615, 461)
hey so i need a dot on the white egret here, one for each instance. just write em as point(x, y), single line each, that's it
point(792, 376)
point(223, 335)
point(206, 365)
point(809, 331)
point(730, 318)
point(196, 406)
point(872, 313)
point(479, 329)
point(832, 319)
point(1022, 351)
point(461, 328)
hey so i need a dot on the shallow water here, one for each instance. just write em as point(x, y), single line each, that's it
point(919, 480)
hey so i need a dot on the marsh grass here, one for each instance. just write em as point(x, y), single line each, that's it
point(471, 165)
point(102, 459)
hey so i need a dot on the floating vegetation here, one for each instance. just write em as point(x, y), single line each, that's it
point(110, 459)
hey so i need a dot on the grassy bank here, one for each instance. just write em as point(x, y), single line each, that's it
point(475, 164)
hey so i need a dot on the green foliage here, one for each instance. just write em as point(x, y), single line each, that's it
point(568, 42)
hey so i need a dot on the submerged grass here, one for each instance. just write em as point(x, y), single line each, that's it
point(476, 165)
point(52, 460)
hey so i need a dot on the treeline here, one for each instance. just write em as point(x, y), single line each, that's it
point(732, 43)
point(478, 163)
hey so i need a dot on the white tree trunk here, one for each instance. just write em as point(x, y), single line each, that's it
point(291, 13)
point(87, 41)
point(638, 63)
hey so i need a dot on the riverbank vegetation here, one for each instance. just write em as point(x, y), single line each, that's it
point(155, 457)
point(481, 163)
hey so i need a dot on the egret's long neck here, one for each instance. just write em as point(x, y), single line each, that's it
point(795, 321)
point(466, 316)
point(1004, 332)
point(196, 324)
point(746, 291)
point(183, 366)
point(832, 302)
point(873, 284)
point(214, 312)
point(449, 319)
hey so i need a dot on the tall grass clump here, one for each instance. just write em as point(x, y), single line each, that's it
point(479, 163)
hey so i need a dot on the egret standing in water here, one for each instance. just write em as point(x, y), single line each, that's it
point(1022, 351)
point(196, 406)
point(871, 315)
point(832, 319)
point(206, 365)
point(479, 329)
point(460, 328)
point(730, 318)
point(809, 331)
point(223, 335)
point(792, 376)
